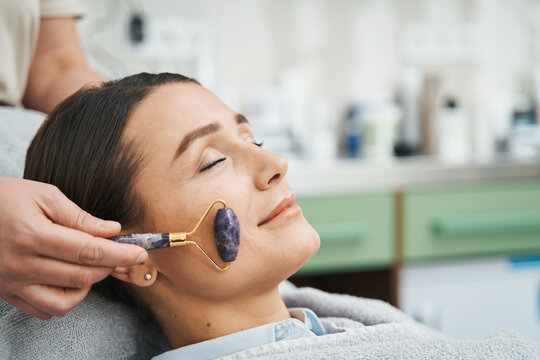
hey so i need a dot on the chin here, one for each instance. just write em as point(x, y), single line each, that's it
point(315, 243)
point(287, 257)
point(309, 246)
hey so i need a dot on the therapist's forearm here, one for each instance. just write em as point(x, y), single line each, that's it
point(67, 80)
point(59, 66)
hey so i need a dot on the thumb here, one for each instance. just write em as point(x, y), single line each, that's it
point(63, 211)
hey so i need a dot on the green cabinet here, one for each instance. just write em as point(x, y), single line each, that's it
point(472, 220)
point(356, 231)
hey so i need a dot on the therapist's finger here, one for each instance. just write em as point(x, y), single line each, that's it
point(54, 272)
point(27, 308)
point(63, 211)
point(53, 300)
point(74, 246)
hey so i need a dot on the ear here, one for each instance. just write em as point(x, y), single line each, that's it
point(137, 274)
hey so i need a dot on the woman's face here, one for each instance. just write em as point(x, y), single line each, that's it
point(195, 149)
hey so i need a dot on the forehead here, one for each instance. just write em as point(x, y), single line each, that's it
point(176, 108)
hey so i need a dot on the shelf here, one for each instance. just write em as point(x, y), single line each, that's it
point(361, 176)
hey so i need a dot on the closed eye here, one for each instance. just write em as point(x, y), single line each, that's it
point(211, 165)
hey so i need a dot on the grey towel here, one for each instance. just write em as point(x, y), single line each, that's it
point(357, 329)
point(17, 128)
point(365, 311)
point(96, 329)
point(395, 341)
point(361, 328)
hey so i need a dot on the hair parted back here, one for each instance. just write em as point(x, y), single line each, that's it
point(79, 149)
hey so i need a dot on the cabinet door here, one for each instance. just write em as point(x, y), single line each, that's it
point(494, 218)
point(473, 298)
point(356, 232)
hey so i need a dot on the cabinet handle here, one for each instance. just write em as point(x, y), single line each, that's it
point(348, 233)
point(486, 224)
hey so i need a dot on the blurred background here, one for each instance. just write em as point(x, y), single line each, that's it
point(412, 129)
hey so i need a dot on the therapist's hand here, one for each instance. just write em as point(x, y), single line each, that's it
point(51, 251)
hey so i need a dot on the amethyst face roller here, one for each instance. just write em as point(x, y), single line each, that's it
point(226, 235)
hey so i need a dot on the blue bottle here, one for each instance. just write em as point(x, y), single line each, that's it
point(353, 132)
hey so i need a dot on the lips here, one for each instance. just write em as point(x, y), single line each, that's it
point(283, 205)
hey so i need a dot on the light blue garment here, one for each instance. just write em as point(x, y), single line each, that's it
point(304, 323)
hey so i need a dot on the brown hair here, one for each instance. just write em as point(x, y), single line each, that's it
point(79, 149)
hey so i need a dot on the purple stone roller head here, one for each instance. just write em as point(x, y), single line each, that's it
point(227, 234)
point(148, 241)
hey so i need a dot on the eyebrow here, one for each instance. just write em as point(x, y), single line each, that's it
point(204, 131)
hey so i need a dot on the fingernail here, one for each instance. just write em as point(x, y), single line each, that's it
point(108, 225)
point(142, 257)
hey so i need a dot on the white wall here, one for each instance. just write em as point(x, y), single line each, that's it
point(344, 50)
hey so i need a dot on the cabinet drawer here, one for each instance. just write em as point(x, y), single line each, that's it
point(474, 220)
point(356, 232)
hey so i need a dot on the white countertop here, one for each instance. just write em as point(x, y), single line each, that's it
point(349, 176)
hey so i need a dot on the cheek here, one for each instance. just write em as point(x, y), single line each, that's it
point(184, 270)
point(299, 244)
point(168, 218)
point(278, 252)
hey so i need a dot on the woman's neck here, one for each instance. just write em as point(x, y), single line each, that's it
point(187, 321)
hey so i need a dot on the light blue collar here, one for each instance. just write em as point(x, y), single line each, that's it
point(304, 323)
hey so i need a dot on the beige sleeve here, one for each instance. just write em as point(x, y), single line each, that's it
point(60, 8)
point(19, 30)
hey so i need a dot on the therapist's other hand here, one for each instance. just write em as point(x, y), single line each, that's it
point(51, 251)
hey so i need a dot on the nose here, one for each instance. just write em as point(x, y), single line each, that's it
point(269, 169)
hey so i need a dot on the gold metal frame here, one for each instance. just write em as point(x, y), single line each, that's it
point(180, 238)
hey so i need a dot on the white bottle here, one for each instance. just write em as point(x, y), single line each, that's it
point(453, 133)
point(323, 136)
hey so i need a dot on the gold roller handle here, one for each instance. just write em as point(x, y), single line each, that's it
point(180, 238)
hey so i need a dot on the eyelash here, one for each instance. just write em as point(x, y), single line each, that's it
point(211, 165)
point(206, 167)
